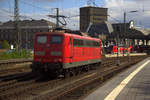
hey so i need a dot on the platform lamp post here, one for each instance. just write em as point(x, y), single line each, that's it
point(119, 31)
point(125, 17)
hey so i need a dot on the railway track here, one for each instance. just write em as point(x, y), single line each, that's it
point(19, 66)
point(15, 61)
point(77, 90)
point(13, 66)
point(23, 87)
point(62, 93)
point(29, 87)
point(14, 70)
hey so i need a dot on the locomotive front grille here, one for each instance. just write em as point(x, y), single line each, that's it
point(39, 53)
point(56, 53)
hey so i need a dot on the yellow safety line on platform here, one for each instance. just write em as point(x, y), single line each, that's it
point(119, 88)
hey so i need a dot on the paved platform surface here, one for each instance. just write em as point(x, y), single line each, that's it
point(132, 84)
point(120, 55)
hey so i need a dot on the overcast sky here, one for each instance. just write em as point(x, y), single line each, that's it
point(38, 9)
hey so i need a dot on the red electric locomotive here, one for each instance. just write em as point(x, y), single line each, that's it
point(61, 53)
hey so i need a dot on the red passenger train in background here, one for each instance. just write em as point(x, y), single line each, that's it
point(113, 49)
point(60, 53)
point(122, 49)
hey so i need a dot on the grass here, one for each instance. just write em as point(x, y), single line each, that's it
point(15, 55)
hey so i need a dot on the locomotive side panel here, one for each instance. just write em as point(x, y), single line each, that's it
point(84, 52)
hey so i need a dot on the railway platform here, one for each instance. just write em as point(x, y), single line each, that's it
point(120, 55)
point(132, 84)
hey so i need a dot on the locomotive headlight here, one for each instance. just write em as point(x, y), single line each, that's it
point(39, 53)
point(56, 53)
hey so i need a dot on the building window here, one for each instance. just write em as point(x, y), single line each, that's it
point(1, 35)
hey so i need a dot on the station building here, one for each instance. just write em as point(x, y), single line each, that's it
point(91, 15)
point(28, 29)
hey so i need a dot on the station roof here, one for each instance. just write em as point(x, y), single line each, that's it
point(1, 23)
point(130, 30)
point(101, 28)
point(108, 28)
point(28, 24)
point(145, 32)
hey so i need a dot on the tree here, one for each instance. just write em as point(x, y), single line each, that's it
point(5, 45)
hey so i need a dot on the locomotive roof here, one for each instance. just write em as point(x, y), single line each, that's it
point(67, 34)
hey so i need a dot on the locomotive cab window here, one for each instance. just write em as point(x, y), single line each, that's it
point(56, 39)
point(41, 39)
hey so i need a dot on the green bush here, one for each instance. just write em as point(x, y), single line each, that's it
point(5, 45)
point(16, 54)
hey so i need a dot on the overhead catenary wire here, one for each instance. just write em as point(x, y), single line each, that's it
point(38, 7)
point(119, 21)
point(34, 6)
point(9, 4)
point(6, 11)
point(10, 14)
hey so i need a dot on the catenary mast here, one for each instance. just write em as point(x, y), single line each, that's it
point(17, 26)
